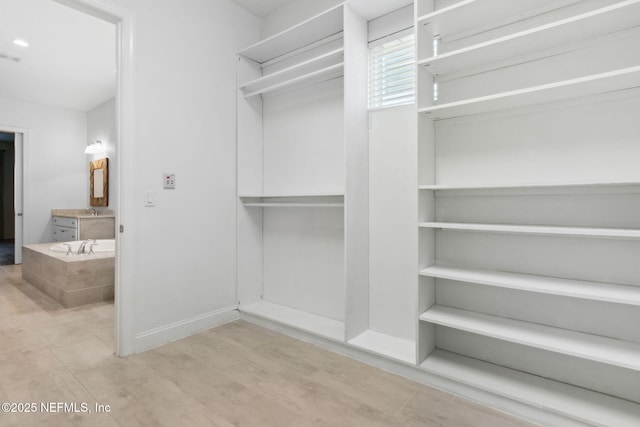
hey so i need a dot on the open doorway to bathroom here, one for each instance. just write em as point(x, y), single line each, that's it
point(62, 106)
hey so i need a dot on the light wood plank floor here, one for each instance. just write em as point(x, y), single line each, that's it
point(235, 375)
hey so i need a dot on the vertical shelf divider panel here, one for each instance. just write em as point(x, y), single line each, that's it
point(357, 175)
point(426, 333)
point(249, 180)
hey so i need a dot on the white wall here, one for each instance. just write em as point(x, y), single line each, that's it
point(101, 124)
point(180, 254)
point(55, 172)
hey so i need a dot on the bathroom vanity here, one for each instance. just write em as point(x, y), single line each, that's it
point(81, 224)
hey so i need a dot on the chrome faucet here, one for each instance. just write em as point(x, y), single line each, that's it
point(94, 211)
point(91, 248)
point(83, 246)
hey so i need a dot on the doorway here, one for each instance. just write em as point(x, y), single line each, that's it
point(11, 195)
point(7, 211)
point(123, 19)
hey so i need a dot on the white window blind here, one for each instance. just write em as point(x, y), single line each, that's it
point(392, 72)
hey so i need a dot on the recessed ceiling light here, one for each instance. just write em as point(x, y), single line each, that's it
point(21, 42)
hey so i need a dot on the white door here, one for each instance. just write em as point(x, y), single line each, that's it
point(17, 194)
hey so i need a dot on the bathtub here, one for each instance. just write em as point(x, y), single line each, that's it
point(72, 279)
point(101, 246)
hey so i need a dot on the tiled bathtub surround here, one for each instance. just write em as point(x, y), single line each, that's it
point(72, 280)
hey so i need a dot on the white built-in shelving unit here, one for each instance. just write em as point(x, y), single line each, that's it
point(529, 230)
point(303, 180)
point(528, 193)
point(303, 255)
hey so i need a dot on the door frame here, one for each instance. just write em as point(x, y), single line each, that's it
point(123, 18)
point(20, 190)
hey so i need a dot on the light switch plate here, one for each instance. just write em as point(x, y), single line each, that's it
point(149, 198)
point(169, 181)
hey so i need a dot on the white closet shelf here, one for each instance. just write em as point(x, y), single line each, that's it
point(293, 205)
point(317, 76)
point(386, 345)
point(325, 200)
point(594, 23)
point(290, 195)
point(620, 294)
point(291, 73)
point(601, 349)
point(468, 14)
point(516, 186)
point(298, 319)
point(610, 81)
point(577, 403)
point(303, 34)
point(543, 230)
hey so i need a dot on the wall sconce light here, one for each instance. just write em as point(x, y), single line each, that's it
point(94, 148)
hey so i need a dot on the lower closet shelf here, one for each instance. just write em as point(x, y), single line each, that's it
point(601, 349)
point(574, 402)
point(541, 230)
point(298, 319)
point(621, 294)
point(386, 345)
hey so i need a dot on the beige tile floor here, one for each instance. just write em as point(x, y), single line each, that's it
point(235, 375)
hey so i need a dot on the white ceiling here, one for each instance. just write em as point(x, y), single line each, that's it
point(368, 9)
point(261, 8)
point(371, 9)
point(71, 59)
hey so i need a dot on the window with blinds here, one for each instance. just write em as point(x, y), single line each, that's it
point(392, 71)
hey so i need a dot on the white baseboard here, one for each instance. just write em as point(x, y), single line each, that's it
point(178, 330)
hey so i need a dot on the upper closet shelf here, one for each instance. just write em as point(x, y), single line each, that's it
point(619, 294)
point(610, 81)
point(601, 349)
point(467, 14)
point(313, 29)
point(292, 205)
point(335, 200)
point(321, 64)
point(290, 195)
point(317, 76)
point(542, 230)
point(594, 23)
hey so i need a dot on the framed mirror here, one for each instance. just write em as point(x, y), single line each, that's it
point(99, 183)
